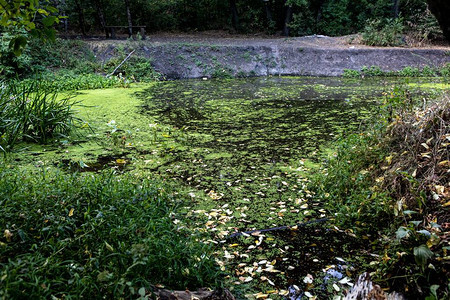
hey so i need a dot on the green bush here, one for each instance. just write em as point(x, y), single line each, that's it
point(136, 68)
point(386, 32)
point(10, 64)
point(73, 55)
point(95, 236)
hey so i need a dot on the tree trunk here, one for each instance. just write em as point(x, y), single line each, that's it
point(319, 11)
point(130, 23)
point(62, 8)
point(287, 20)
point(234, 15)
point(268, 12)
point(441, 10)
point(101, 16)
point(395, 8)
point(81, 19)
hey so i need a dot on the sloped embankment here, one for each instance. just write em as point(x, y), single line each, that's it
point(309, 56)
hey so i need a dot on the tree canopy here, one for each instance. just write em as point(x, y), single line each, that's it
point(33, 16)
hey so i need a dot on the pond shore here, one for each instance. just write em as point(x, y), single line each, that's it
point(179, 57)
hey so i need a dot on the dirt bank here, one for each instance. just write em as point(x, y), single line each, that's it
point(192, 56)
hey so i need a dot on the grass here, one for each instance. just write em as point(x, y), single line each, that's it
point(30, 111)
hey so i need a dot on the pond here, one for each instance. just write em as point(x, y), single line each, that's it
point(239, 155)
point(249, 141)
point(246, 149)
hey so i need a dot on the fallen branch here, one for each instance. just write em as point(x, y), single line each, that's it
point(126, 58)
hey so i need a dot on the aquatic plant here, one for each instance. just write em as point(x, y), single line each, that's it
point(32, 112)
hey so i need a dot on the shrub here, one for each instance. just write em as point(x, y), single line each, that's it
point(422, 27)
point(10, 64)
point(348, 73)
point(136, 68)
point(383, 32)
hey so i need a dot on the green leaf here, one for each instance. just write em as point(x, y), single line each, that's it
point(416, 223)
point(422, 254)
point(43, 12)
point(49, 21)
point(402, 232)
point(141, 292)
point(17, 44)
point(109, 247)
point(425, 232)
point(409, 212)
point(50, 34)
point(433, 293)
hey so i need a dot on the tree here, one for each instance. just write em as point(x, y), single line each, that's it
point(33, 16)
point(129, 19)
point(441, 10)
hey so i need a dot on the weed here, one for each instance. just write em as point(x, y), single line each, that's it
point(389, 181)
point(31, 111)
point(95, 236)
point(348, 73)
point(383, 32)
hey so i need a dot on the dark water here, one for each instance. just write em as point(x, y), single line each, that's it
point(272, 119)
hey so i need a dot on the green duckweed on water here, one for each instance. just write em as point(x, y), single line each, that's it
point(239, 150)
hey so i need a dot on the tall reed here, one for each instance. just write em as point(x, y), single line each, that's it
point(33, 112)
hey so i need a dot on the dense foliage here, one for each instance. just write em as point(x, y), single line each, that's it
point(95, 236)
point(293, 17)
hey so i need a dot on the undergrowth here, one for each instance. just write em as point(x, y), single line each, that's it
point(375, 71)
point(94, 236)
point(390, 186)
point(387, 32)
